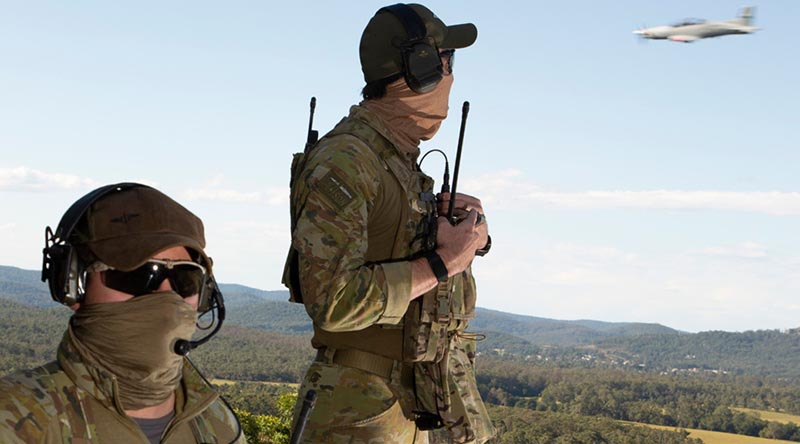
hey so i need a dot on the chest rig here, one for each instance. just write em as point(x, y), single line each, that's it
point(407, 205)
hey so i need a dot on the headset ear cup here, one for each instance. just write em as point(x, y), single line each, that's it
point(75, 279)
point(423, 67)
point(63, 272)
point(54, 271)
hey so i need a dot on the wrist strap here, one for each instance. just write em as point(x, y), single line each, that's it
point(437, 265)
point(486, 248)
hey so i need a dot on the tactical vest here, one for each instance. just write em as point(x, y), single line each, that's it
point(424, 333)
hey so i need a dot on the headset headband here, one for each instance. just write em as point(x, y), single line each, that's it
point(412, 22)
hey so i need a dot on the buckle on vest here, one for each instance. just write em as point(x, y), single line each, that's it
point(443, 302)
point(427, 421)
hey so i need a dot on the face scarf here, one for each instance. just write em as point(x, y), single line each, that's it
point(134, 341)
point(412, 117)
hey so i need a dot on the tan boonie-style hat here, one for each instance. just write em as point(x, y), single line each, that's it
point(125, 228)
point(381, 43)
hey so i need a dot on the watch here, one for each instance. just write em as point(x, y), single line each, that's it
point(437, 265)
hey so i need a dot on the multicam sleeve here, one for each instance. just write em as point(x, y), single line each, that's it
point(341, 291)
point(25, 415)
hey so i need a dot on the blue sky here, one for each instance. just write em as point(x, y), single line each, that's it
point(623, 180)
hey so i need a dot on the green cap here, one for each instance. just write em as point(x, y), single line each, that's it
point(125, 228)
point(380, 49)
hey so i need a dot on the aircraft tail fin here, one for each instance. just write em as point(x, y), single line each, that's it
point(746, 15)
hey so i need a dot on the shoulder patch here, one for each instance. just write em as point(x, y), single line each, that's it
point(335, 190)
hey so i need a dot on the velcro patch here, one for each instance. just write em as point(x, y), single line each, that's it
point(334, 188)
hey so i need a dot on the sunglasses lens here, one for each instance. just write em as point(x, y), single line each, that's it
point(186, 280)
point(143, 280)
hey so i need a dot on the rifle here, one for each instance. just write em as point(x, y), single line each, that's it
point(313, 135)
point(302, 419)
point(291, 272)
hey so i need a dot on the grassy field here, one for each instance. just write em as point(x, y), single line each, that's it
point(230, 382)
point(719, 437)
point(783, 418)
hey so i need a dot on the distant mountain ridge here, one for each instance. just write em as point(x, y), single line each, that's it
point(268, 310)
point(26, 287)
point(32, 324)
point(544, 331)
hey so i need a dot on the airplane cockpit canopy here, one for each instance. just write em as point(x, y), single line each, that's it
point(689, 22)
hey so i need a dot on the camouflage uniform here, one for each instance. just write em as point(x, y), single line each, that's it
point(67, 401)
point(363, 210)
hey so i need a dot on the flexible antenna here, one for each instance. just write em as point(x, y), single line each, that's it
point(464, 113)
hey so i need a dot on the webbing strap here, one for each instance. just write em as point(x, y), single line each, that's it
point(368, 362)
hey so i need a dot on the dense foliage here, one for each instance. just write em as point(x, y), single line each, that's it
point(521, 426)
point(687, 401)
point(256, 397)
point(253, 355)
point(269, 429)
point(763, 352)
point(30, 335)
point(540, 393)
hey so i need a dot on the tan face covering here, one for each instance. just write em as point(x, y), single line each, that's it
point(412, 117)
point(134, 341)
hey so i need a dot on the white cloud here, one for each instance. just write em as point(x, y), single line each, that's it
point(28, 179)
point(748, 250)
point(249, 252)
point(224, 195)
point(213, 191)
point(510, 188)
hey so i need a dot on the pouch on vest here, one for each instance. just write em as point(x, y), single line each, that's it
point(425, 325)
point(449, 390)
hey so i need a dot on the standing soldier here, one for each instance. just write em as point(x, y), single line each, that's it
point(387, 284)
point(129, 260)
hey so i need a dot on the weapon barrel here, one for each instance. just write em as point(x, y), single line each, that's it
point(464, 113)
point(312, 136)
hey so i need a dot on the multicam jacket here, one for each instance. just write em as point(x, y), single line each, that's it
point(66, 401)
point(361, 209)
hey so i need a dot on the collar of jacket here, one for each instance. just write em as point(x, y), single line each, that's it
point(376, 123)
point(191, 400)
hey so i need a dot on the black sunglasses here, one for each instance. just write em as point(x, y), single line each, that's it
point(185, 277)
point(448, 59)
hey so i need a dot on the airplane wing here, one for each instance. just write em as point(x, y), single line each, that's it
point(683, 38)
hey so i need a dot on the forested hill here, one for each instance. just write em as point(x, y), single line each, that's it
point(586, 344)
point(267, 310)
point(543, 331)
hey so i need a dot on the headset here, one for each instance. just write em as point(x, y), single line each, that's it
point(422, 66)
point(65, 272)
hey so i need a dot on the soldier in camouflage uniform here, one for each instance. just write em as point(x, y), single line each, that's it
point(118, 377)
point(387, 283)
